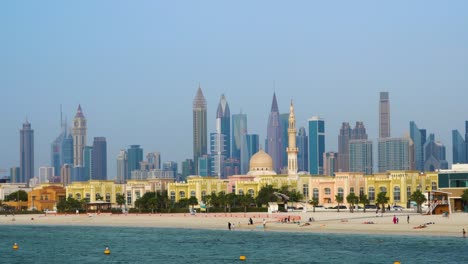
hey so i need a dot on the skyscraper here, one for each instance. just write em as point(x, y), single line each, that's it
point(87, 172)
point(343, 147)
point(292, 148)
point(26, 153)
point(253, 144)
point(316, 145)
point(67, 149)
point(384, 115)
point(15, 176)
point(66, 174)
point(46, 174)
point(57, 153)
point(359, 131)
point(434, 153)
point(303, 146)
point(199, 127)
point(79, 137)
point(187, 169)
point(284, 124)
point(205, 165)
point(224, 114)
point(394, 154)
point(134, 156)
point(360, 156)
point(99, 157)
point(458, 148)
point(418, 141)
point(330, 163)
point(275, 146)
point(122, 170)
point(217, 149)
point(239, 130)
point(171, 166)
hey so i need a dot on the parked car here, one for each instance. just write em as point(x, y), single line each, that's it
point(397, 208)
point(370, 206)
point(336, 207)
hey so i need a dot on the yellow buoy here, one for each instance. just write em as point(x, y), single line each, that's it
point(396, 262)
point(15, 246)
point(242, 258)
point(107, 251)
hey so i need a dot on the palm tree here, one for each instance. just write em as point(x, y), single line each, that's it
point(192, 201)
point(208, 202)
point(352, 199)
point(364, 200)
point(245, 200)
point(382, 199)
point(314, 202)
point(152, 203)
point(230, 200)
point(120, 199)
point(222, 200)
point(419, 198)
point(339, 200)
point(464, 198)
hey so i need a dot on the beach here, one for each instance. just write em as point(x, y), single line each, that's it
point(321, 222)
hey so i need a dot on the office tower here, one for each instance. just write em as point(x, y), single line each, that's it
point(394, 154)
point(26, 153)
point(284, 124)
point(66, 174)
point(239, 130)
point(343, 146)
point(122, 171)
point(78, 174)
point(79, 137)
point(87, 173)
point(253, 145)
point(384, 115)
point(232, 167)
point(316, 145)
point(274, 144)
point(330, 163)
point(134, 156)
point(359, 131)
point(99, 158)
point(171, 166)
point(303, 146)
point(205, 165)
point(187, 169)
point(154, 160)
point(292, 148)
point(224, 115)
point(67, 149)
point(434, 152)
point(360, 156)
point(46, 174)
point(56, 157)
point(15, 176)
point(199, 127)
point(418, 137)
point(458, 148)
point(217, 148)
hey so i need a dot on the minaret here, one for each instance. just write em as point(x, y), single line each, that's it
point(79, 137)
point(292, 150)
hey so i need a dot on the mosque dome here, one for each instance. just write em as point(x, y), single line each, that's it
point(261, 162)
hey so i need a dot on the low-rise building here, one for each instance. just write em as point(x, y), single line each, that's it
point(45, 197)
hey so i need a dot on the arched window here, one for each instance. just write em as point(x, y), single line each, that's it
point(316, 194)
point(182, 194)
point(371, 194)
point(192, 194)
point(327, 191)
point(108, 196)
point(340, 192)
point(78, 196)
point(129, 197)
point(305, 190)
point(434, 186)
point(383, 189)
point(251, 192)
point(361, 191)
point(396, 193)
point(241, 192)
point(98, 197)
point(203, 195)
point(172, 196)
point(351, 190)
point(408, 192)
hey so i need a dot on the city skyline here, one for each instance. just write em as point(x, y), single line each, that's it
point(129, 91)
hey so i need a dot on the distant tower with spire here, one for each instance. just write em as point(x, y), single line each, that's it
point(26, 153)
point(274, 144)
point(224, 115)
point(199, 128)
point(292, 150)
point(79, 137)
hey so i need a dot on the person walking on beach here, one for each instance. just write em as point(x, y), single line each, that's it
point(229, 225)
point(407, 219)
point(464, 233)
point(264, 223)
point(250, 221)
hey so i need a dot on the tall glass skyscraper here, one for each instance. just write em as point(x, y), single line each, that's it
point(316, 145)
point(217, 150)
point(134, 157)
point(99, 157)
point(79, 137)
point(252, 142)
point(458, 148)
point(239, 130)
point(200, 134)
point(303, 146)
point(67, 149)
point(87, 163)
point(224, 115)
point(360, 156)
point(394, 154)
point(274, 145)
point(26, 153)
point(384, 115)
point(434, 152)
point(122, 171)
point(418, 141)
point(343, 147)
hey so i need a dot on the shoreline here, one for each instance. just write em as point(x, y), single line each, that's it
point(357, 223)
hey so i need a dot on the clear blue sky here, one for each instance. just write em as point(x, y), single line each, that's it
point(134, 66)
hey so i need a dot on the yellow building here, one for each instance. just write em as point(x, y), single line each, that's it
point(135, 189)
point(196, 186)
point(93, 189)
point(46, 197)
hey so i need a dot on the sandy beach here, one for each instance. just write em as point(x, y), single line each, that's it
point(323, 222)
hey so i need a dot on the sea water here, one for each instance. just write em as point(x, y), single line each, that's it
point(70, 244)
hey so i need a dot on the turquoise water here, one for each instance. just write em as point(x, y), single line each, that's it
point(65, 244)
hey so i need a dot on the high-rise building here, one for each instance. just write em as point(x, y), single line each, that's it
point(46, 174)
point(66, 174)
point(79, 137)
point(434, 153)
point(316, 145)
point(205, 165)
point(253, 144)
point(57, 152)
point(239, 130)
point(217, 145)
point(26, 153)
point(274, 145)
point(394, 154)
point(187, 169)
point(303, 146)
point(15, 176)
point(458, 148)
point(171, 166)
point(231, 167)
point(154, 160)
point(122, 170)
point(99, 158)
point(343, 147)
point(284, 124)
point(292, 148)
point(134, 156)
point(418, 137)
point(87, 173)
point(224, 115)
point(384, 115)
point(330, 163)
point(361, 156)
point(359, 131)
point(67, 149)
point(199, 127)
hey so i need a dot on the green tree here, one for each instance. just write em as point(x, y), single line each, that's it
point(207, 201)
point(245, 200)
point(120, 199)
point(314, 202)
point(193, 201)
point(382, 199)
point(352, 200)
point(231, 200)
point(419, 198)
point(222, 200)
point(295, 196)
point(266, 195)
point(364, 201)
point(339, 200)
point(99, 197)
point(464, 198)
point(20, 196)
